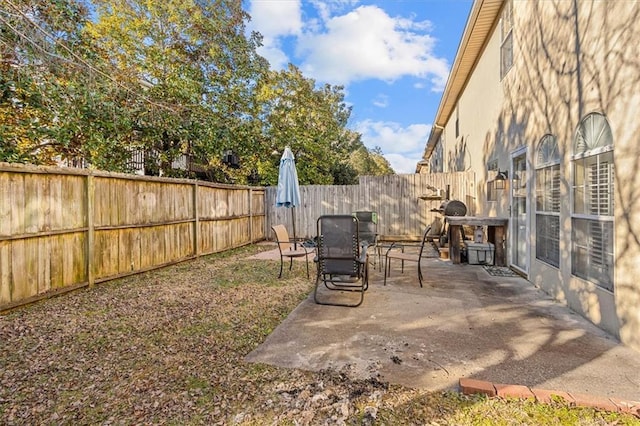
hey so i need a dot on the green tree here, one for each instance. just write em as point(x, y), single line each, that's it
point(344, 174)
point(165, 78)
point(312, 121)
point(198, 70)
point(370, 162)
point(43, 51)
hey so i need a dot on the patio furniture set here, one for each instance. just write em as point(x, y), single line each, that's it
point(345, 244)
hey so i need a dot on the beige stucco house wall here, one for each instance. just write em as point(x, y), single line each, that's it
point(571, 58)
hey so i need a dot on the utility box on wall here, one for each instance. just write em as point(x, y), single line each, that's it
point(480, 253)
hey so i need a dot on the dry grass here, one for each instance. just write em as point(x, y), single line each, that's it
point(167, 347)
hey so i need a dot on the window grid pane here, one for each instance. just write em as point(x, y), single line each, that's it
point(547, 218)
point(555, 188)
point(548, 189)
point(548, 238)
point(592, 251)
point(506, 54)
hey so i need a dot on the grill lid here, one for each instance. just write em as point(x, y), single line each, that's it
point(453, 208)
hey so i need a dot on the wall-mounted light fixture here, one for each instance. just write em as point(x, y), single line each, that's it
point(501, 179)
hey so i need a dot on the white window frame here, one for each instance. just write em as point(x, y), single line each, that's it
point(506, 38)
point(547, 201)
point(592, 213)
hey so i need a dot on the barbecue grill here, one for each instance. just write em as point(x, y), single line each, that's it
point(452, 208)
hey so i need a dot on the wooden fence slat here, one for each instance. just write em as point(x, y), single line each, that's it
point(5, 206)
point(5, 268)
point(90, 203)
point(56, 262)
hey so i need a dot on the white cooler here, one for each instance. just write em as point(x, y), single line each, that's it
point(480, 253)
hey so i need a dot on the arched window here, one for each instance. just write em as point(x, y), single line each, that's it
point(592, 190)
point(548, 201)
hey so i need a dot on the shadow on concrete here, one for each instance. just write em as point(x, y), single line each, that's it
point(463, 323)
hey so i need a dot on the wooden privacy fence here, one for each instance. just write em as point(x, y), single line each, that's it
point(402, 213)
point(62, 229)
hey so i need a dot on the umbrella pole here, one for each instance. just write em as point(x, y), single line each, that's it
point(293, 219)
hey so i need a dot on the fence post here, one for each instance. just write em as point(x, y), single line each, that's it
point(90, 193)
point(250, 215)
point(196, 221)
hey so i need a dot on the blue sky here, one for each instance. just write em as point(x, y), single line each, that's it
point(392, 56)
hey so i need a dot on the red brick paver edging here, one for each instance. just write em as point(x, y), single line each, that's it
point(473, 386)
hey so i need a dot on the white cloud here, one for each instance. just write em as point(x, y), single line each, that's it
point(368, 43)
point(326, 8)
point(381, 101)
point(276, 18)
point(338, 48)
point(272, 52)
point(402, 163)
point(392, 137)
point(402, 146)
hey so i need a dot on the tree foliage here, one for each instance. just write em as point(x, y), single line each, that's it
point(312, 121)
point(95, 82)
point(38, 78)
point(370, 162)
point(198, 71)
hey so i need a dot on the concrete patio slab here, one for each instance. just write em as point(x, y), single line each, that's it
point(464, 323)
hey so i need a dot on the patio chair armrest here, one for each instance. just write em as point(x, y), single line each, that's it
point(307, 250)
point(304, 242)
point(394, 245)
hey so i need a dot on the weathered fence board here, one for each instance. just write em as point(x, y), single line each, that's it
point(61, 229)
point(396, 199)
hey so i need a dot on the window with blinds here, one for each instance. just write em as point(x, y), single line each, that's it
point(593, 202)
point(593, 185)
point(548, 201)
point(548, 239)
point(592, 253)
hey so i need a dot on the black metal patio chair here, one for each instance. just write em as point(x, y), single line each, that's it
point(399, 251)
point(341, 260)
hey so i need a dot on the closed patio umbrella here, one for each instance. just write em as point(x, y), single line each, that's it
point(288, 192)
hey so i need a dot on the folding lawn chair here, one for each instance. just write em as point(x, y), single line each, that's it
point(342, 261)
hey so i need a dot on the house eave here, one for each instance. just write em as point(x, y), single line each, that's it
point(482, 20)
